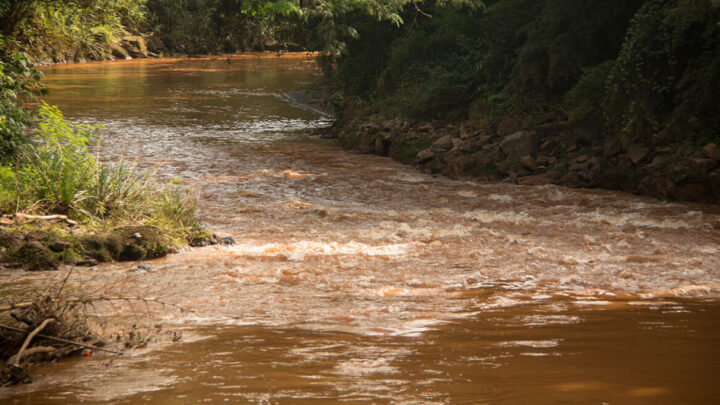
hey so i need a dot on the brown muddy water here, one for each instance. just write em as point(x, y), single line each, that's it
point(358, 280)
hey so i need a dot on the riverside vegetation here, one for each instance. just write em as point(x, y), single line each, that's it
point(615, 94)
point(63, 203)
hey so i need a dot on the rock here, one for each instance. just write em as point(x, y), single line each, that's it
point(392, 124)
point(456, 142)
point(577, 167)
point(427, 128)
point(484, 139)
point(703, 164)
point(132, 252)
point(529, 163)
point(507, 126)
point(546, 146)
point(612, 147)
point(694, 191)
point(580, 159)
point(59, 245)
point(87, 262)
point(519, 144)
point(653, 185)
point(542, 161)
point(712, 151)
point(470, 146)
point(224, 240)
point(637, 152)
point(549, 129)
point(657, 160)
point(425, 155)
point(591, 172)
point(199, 242)
point(369, 127)
point(571, 148)
point(136, 236)
point(443, 144)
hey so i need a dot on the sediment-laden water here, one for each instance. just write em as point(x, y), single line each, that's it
point(359, 280)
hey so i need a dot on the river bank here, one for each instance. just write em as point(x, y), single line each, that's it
point(552, 153)
point(361, 275)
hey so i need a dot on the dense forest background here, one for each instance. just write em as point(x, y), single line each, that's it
point(617, 94)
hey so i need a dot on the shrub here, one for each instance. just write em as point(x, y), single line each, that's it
point(19, 82)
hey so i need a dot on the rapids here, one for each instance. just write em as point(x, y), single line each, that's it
point(356, 279)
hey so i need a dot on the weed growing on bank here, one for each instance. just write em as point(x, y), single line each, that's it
point(55, 172)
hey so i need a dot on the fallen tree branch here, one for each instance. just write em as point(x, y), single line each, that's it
point(15, 360)
point(22, 218)
point(30, 337)
point(85, 300)
point(57, 339)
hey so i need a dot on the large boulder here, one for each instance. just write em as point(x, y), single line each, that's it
point(443, 144)
point(508, 126)
point(519, 144)
point(712, 151)
point(425, 155)
point(702, 164)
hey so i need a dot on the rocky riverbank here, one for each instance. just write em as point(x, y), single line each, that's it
point(554, 152)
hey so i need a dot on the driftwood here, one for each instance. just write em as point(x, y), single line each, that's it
point(15, 360)
point(15, 219)
point(61, 340)
point(21, 305)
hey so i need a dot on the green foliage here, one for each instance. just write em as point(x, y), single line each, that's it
point(57, 173)
point(667, 77)
point(583, 102)
point(72, 29)
point(210, 26)
point(19, 82)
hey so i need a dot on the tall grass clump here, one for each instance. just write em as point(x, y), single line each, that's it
point(57, 173)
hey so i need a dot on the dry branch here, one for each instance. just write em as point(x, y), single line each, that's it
point(15, 359)
point(57, 339)
point(19, 218)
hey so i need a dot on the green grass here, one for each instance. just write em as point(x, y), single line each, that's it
point(57, 174)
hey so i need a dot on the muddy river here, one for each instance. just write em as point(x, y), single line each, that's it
point(359, 280)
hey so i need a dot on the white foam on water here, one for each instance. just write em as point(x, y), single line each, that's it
point(501, 197)
point(297, 251)
point(537, 344)
point(633, 219)
point(487, 217)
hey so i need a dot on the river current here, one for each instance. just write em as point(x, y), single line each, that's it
point(356, 279)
